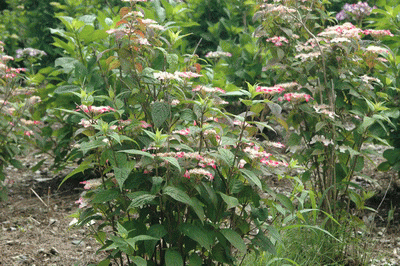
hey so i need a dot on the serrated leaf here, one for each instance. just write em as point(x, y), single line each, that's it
point(235, 239)
point(122, 173)
point(198, 234)
point(160, 111)
point(178, 195)
point(250, 176)
point(87, 146)
point(105, 196)
point(188, 115)
point(227, 156)
point(140, 200)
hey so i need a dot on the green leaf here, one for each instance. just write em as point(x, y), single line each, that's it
point(250, 176)
point(122, 173)
point(105, 262)
point(264, 243)
point(138, 152)
point(105, 196)
point(392, 155)
point(235, 239)
point(173, 161)
point(385, 166)
point(195, 260)
point(198, 209)
point(139, 261)
point(160, 11)
point(276, 109)
point(172, 60)
point(368, 121)
point(38, 165)
point(231, 202)
point(188, 115)
point(160, 112)
point(294, 139)
point(178, 195)
point(67, 63)
point(17, 164)
point(132, 241)
point(173, 258)
point(66, 89)
point(198, 234)
point(87, 164)
point(87, 146)
point(139, 199)
point(158, 231)
point(285, 202)
point(81, 71)
point(227, 156)
point(311, 227)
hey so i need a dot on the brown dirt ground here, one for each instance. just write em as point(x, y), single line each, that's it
point(34, 228)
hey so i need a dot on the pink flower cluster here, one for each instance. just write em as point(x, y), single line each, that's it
point(217, 54)
point(208, 89)
point(295, 97)
point(92, 183)
point(95, 109)
point(28, 133)
point(275, 144)
point(378, 33)
point(144, 124)
point(188, 74)
point(82, 202)
point(11, 72)
point(347, 30)
point(270, 90)
point(87, 123)
point(177, 75)
point(255, 152)
point(273, 163)
point(278, 40)
point(203, 160)
point(240, 123)
point(30, 122)
point(185, 131)
point(199, 172)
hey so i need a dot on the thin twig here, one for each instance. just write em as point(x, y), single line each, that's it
point(384, 196)
point(34, 192)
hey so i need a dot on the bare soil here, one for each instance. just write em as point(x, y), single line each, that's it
point(34, 222)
